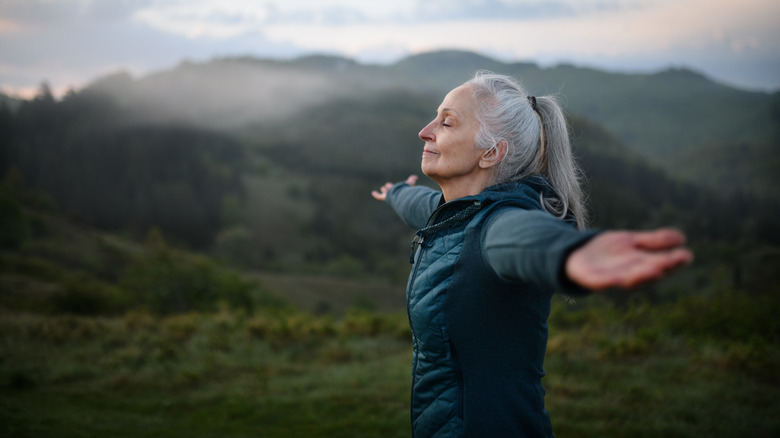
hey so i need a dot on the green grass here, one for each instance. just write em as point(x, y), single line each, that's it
point(613, 371)
point(660, 396)
point(328, 294)
point(201, 375)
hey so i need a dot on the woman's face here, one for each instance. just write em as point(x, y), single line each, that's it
point(450, 151)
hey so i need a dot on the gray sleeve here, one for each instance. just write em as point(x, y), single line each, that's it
point(531, 246)
point(413, 204)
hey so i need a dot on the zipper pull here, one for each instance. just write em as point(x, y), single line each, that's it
point(415, 242)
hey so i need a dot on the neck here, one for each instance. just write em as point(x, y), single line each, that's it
point(459, 188)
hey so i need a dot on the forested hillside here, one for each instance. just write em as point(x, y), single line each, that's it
point(655, 114)
point(666, 117)
point(267, 164)
point(98, 168)
point(285, 185)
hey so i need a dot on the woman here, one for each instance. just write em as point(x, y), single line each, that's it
point(504, 232)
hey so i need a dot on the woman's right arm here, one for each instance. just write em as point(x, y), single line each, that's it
point(413, 204)
point(381, 194)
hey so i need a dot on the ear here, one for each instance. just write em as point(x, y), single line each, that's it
point(494, 155)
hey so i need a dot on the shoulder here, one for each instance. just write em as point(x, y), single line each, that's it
point(510, 209)
point(403, 189)
point(508, 216)
point(414, 204)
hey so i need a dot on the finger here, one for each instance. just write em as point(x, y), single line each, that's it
point(664, 238)
point(653, 266)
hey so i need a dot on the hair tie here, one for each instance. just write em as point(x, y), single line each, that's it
point(542, 135)
point(532, 100)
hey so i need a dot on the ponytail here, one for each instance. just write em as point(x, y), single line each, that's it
point(537, 139)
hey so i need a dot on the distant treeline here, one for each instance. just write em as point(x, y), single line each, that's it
point(294, 194)
point(107, 172)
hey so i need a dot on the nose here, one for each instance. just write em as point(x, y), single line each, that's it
point(427, 133)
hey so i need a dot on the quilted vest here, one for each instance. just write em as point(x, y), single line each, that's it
point(479, 341)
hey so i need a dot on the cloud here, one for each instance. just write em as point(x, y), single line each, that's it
point(522, 11)
point(201, 18)
point(228, 18)
point(35, 14)
point(640, 36)
point(70, 42)
point(114, 10)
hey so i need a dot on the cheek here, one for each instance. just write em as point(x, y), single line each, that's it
point(464, 150)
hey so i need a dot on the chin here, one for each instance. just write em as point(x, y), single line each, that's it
point(430, 173)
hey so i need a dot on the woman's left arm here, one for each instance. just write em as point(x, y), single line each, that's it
point(534, 247)
point(627, 258)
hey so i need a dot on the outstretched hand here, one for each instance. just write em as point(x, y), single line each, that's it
point(381, 194)
point(627, 258)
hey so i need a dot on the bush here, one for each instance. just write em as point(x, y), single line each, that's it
point(726, 315)
point(43, 286)
point(168, 282)
point(85, 295)
point(14, 230)
point(344, 266)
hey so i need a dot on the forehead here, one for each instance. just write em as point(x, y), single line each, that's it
point(460, 101)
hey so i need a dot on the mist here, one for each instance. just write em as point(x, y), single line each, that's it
point(221, 94)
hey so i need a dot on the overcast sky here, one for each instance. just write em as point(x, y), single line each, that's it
point(68, 43)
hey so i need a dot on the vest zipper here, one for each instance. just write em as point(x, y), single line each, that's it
point(417, 242)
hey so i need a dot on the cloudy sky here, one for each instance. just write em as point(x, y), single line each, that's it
point(68, 43)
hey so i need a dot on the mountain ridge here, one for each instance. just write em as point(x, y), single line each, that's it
point(666, 116)
point(660, 115)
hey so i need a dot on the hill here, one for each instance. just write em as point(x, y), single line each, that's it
point(663, 116)
point(287, 190)
point(660, 115)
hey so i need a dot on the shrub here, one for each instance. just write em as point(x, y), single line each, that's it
point(85, 295)
point(344, 266)
point(168, 282)
point(727, 315)
point(362, 323)
point(14, 230)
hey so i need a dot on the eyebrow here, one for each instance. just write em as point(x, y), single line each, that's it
point(448, 110)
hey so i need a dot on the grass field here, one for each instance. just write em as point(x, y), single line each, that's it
point(635, 371)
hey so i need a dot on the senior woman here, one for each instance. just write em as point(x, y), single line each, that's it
point(506, 230)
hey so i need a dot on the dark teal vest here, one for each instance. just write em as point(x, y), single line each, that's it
point(479, 341)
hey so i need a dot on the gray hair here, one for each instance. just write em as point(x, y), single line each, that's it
point(537, 139)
